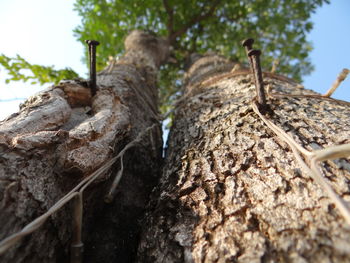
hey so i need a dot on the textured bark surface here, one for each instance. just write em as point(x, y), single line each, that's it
point(232, 191)
point(63, 134)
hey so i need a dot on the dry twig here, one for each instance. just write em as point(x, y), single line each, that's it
point(341, 77)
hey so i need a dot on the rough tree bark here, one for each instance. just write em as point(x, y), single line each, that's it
point(62, 135)
point(232, 191)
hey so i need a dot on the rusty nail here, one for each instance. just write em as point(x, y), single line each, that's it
point(248, 44)
point(92, 58)
point(254, 56)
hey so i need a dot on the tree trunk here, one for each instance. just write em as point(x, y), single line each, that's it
point(232, 191)
point(61, 136)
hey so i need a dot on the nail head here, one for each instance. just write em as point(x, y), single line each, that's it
point(92, 42)
point(248, 42)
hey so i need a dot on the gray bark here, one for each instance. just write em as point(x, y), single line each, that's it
point(62, 135)
point(232, 191)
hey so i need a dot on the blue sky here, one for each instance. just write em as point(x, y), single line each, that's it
point(330, 37)
point(41, 32)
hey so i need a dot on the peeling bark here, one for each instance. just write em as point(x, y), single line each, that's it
point(232, 191)
point(61, 135)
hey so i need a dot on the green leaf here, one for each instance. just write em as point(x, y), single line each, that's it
point(39, 74)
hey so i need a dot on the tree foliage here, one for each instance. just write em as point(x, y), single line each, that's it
point(20, 69)
point(279, 27)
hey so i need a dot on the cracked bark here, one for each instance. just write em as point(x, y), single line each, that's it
point(63, 134)
point(231, 190)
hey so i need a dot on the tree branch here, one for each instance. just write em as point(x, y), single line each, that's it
point(196, 19)
point(170, 12)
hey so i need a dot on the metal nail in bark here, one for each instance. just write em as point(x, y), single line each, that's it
point(92, 58)
point(248, 45)
point(254, 56)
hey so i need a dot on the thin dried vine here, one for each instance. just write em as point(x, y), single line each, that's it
point(314, 157)
point(76, 192)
